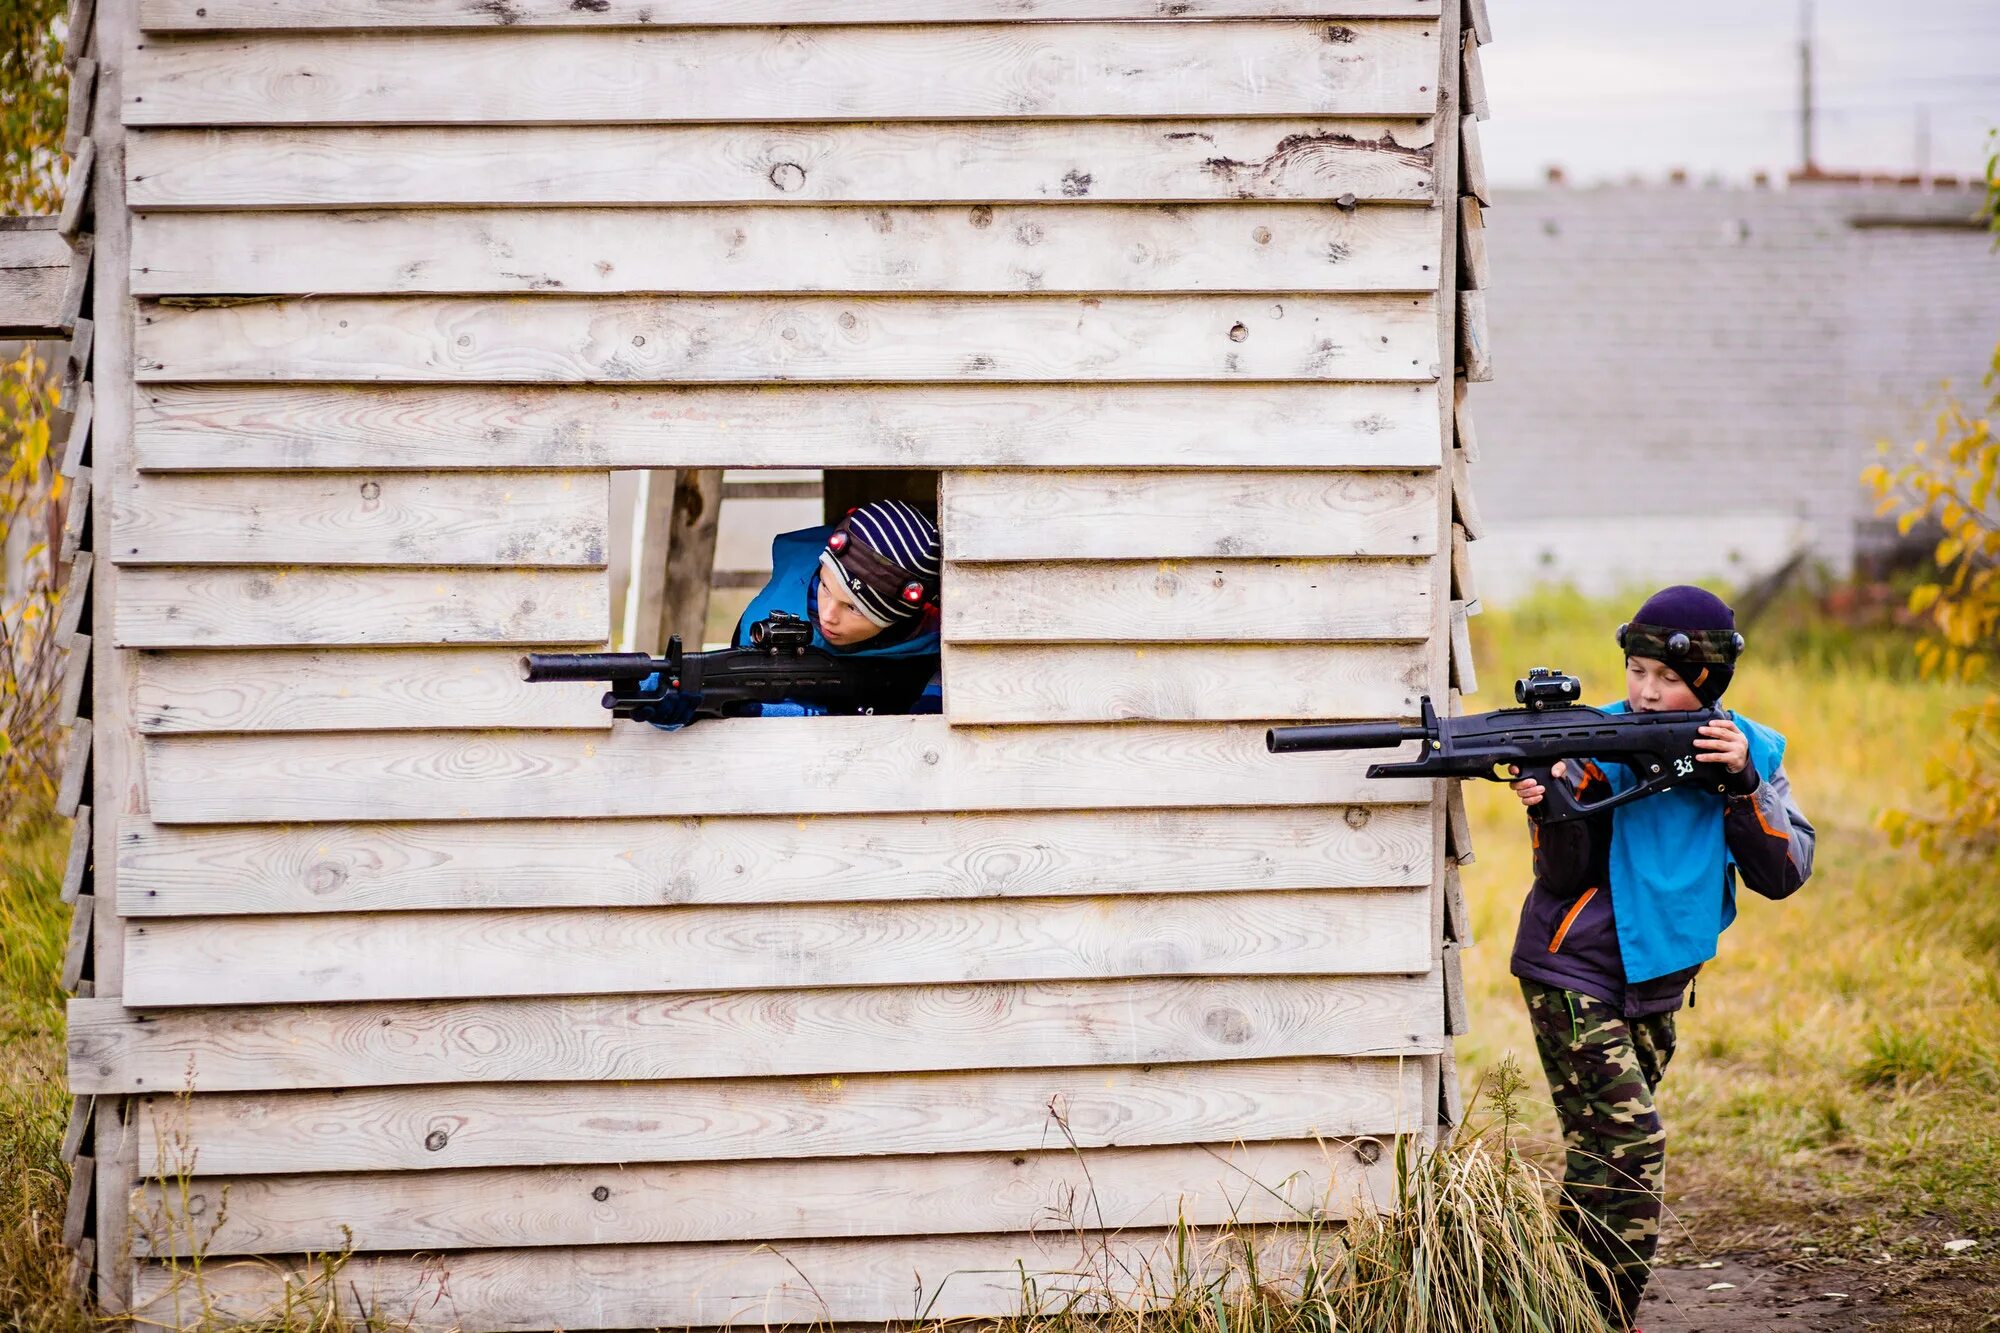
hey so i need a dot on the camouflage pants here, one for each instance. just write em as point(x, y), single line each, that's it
point(1603, 1069)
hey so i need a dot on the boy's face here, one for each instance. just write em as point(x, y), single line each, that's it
point(1651, 686)
point(840, 620)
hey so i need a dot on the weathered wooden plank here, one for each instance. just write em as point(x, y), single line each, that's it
point(76, 361)
point(432, 1128)
point(76, 673)
point(76, 870)
point(76, 767)
point(952, 1194)
point(1008, 71)
point(1472, 86)
point(1464, 438)
point(1457, 1018)
point(83, 248)
point(82, 89)
point(816, 858)
point(1028, 515)
point(690, 556)
point(376, 689)
point(1451, 1098)
point(1477, 22)
point(1091, 247)
point(1193, 600)
point(1472, 163)
point(634, 340)
point(75, 600)
point(76, 190)
point(832, 1283)
point(861, 765)
point(225, 15)
point(81, 18)
point(1463, 587)
point(1457, 914)
point(1473, 269)
point(80, 1107)
point(517, 519)
point(1464, 509)
point(1166, 425)
point(653, 950)
point(1458, 826)
point(1474, 347)
point(76, 517)
point(1464, 677)
point(966, 162)
point(1169, 682)
point(76, 445)
point(283, 607)
point(77, 953)
point(840, 1031)
point(34, 282)
point(76, 1213)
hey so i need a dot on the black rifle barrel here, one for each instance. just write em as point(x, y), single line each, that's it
point(1344, 736)
point(587, 666)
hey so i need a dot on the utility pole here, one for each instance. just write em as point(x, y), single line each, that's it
point(1808, 164)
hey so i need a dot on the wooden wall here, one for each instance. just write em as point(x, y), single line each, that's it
point(442, 964)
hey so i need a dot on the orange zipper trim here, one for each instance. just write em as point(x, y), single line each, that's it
point(1569, 919)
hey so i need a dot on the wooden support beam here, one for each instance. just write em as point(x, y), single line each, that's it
point(1457, 826)
point(1477, 22)
point(1451, 1101)
point(76, 517)
point(76, 286)
point(77, 870)
point(76, 447)
point(76, 366)
point(80, 1108)
point(1473, 270)
point(82, 18)
point(76, 678)
point(78, 951)
point(1472, 163)
point(76, 191)
point(1464, 509)
point(654, 527)
point(1465, 439)
point(1472, 88)
point(82, 1183)
point(690, 553)
point(76, 765)
point(1474, 353)
point(35, 278)
point(1462, 586)
point(1463, 677)
point(75, 599)
point(82, 88)
point(1457, 914)
point(1457, 1018)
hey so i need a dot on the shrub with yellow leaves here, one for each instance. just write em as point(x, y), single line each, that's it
point(1950, 481)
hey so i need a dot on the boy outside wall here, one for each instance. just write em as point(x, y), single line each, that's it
point(1625, 908)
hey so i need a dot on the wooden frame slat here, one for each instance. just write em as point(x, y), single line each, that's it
point(76, 676)
point(76, 766)
point(117, 1047)
point(968, 162)
point(167, 871)
point(76, 516)
point(1474, 271)
point(76, 446)
point(76, 190)
point(1204, 426)
point(1464, 508)
point(75, 599)
point(1472, 163)
point(1368, 67)
point(1474, 349)
point(76, 954)
point(818, 339)
point(77, 868)
point(82, 90)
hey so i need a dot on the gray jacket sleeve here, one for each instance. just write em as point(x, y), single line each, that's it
point(1770, 838)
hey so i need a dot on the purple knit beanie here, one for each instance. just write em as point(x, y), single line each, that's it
point(1691, 630)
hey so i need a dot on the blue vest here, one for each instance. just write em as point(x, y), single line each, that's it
point(794, 587)
point(1671, 893)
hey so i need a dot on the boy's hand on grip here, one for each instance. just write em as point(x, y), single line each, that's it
point(1722, 742)
point(1530, 791)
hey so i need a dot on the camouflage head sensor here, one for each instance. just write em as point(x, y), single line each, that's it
point(1705, 647)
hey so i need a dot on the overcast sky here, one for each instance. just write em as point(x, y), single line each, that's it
point(1606, 88)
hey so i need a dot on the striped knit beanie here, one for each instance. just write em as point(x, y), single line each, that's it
point(886, 555)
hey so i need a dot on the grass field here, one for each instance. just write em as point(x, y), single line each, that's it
point(1835, 1103)
point(1836, 1094)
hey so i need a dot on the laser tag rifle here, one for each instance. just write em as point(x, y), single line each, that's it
point(780, 663)
point(1551, 725)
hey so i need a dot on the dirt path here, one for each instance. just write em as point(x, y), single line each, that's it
point(1756, 1296)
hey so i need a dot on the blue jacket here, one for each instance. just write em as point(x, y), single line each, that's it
point(794, 587)
point(1628, 909)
